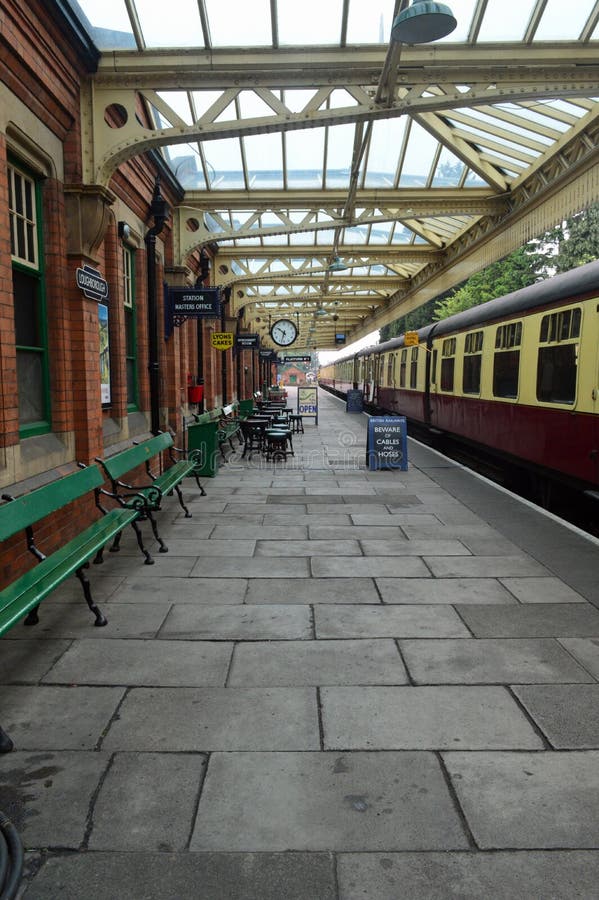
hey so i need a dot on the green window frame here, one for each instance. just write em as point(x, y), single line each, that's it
point(29, 299)
point(130, 328)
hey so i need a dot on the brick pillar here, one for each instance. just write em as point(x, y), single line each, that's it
point(88, 217)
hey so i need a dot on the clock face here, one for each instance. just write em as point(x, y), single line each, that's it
point(284, 332)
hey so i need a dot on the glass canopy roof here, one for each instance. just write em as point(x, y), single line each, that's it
point(384, 194)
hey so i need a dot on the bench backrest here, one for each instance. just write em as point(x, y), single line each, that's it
point(118, 465)
point(18, 514)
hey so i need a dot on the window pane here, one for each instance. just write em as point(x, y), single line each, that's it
point(471, 380)
point(447, 369)
point(30, 381)
point(25, 293)
point(505, 374)
point(556, 374)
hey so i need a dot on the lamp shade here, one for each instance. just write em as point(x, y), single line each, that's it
point(423, 21)
point(337, 265)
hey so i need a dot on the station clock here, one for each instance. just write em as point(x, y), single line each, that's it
point(284, 332)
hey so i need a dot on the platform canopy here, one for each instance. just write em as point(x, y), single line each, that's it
point(342, 176)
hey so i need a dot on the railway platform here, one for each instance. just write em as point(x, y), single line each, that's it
point(337, 684)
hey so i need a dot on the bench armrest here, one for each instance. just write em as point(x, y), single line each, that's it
point(141, 502)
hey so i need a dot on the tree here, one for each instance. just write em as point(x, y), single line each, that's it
point(412, 321)
point(577, 239)
point(522, 267)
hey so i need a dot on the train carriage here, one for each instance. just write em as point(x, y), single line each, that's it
point(517, 376)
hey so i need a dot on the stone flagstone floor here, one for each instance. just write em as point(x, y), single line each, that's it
point(337, 685)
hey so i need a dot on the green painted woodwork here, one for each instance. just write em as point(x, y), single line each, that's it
point(18, 514)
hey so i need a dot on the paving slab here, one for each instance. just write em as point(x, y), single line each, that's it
point(211, 876)
point(443, 590)
point(388, 621)
point(212, 547)
point(307, 548)
point(249, 517)
point(321, 518)
point(40, 717)
point(534, 620)
point(407, 547)
point(226, 591)
point(260, 532)
point(494, 545)
point(355, 532)
point(484, 566)
point(505, 875)
point(237, 623)
point(369, 566)
point(147, 801)
point(46, 795)
point(103, 587)
point(289, 663)
point(567, 714)
point(28, 660)
point(66, 620)
point(490, 661)
point(348, 509)
point(166, 565)
point(257, 567)
point(424, 718)
point(313, 590)
point(130, 662)
point(207, 719)
point(315, 801)
point(416, 517)
point(586, 651)
point(528, 800)
point(541, 590)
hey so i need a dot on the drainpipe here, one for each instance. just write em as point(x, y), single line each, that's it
point(159, 212)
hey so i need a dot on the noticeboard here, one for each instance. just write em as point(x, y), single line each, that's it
point(307, 402)
point(354, 401)
point(387, 443)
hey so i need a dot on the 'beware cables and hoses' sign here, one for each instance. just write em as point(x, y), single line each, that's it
point(387, 443)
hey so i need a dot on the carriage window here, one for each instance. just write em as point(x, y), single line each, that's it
point(448, 364)
point(414, 367)
point(472, 362)
point(506, 361)
point(402, 368)
point(557, 362)
point(391, 370)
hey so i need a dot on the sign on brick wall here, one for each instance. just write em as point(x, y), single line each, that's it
point(221, 340)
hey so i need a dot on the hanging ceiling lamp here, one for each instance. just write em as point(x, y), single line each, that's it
point(336, 265)
point(422, 22)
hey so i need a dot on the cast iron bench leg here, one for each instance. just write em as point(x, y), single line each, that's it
point(181, 501)
point(140, 541)
point(101, 620)
point(153, 523)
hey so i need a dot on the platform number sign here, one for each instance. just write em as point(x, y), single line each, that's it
point(387, 443)
point(307, 402)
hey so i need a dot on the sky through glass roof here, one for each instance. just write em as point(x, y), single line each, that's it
point(261, 179)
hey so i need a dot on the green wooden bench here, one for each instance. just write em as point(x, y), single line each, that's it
point(21, 598)
point(229, 427)
point(158, 484)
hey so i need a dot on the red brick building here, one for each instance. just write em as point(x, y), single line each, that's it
point(76, 366)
